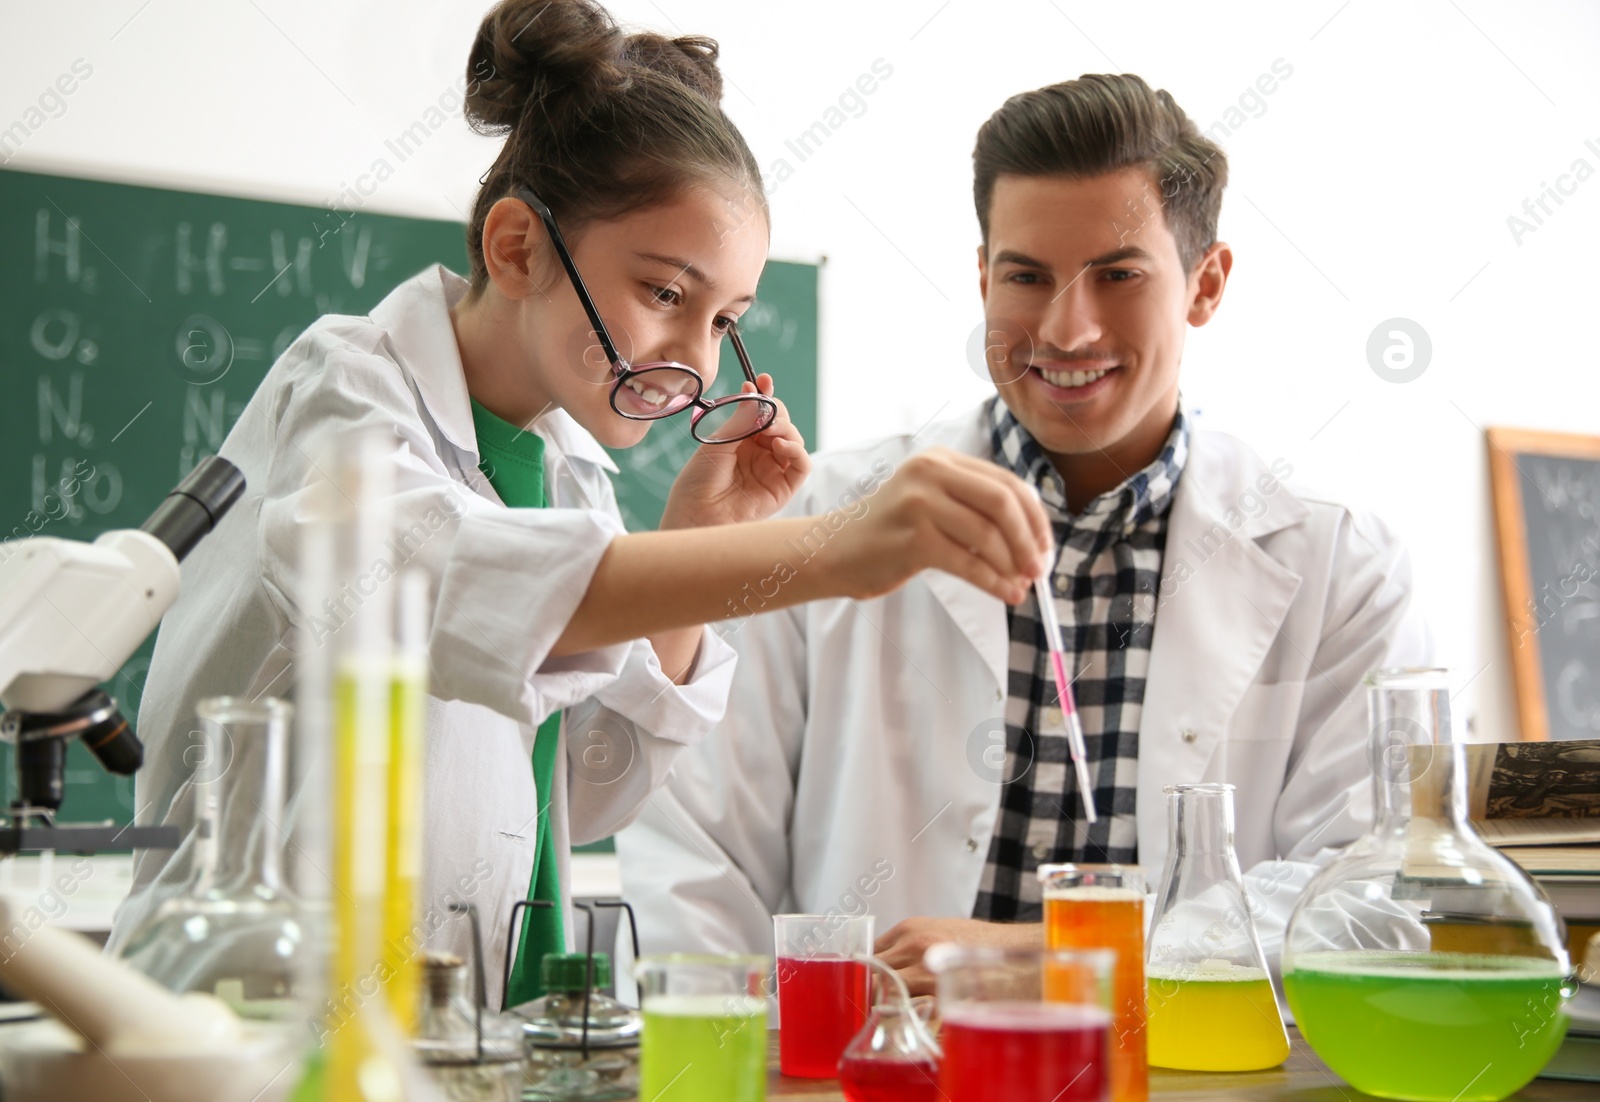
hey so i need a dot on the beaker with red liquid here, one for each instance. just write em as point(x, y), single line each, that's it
point(1022, 1025)
point(824, 992)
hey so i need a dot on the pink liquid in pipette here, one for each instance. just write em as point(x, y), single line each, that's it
point(1058, 663)
point(1069, 715)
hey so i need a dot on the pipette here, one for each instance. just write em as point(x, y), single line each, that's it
point(1069, 707)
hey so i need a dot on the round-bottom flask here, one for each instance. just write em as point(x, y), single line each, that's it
point(1421, 964)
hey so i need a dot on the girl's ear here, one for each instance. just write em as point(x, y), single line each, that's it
point(514, 245)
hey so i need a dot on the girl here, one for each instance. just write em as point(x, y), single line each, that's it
point(616, 241)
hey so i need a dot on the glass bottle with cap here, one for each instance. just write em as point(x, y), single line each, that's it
point(1209, 996)
point(473, 1054)
point(580, 1044)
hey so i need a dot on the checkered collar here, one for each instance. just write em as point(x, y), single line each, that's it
point(1143, 495)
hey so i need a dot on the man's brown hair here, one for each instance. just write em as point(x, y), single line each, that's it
point(1103, 123)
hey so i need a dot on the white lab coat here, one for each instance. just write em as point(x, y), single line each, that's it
point(504, 583)
point(849, 771)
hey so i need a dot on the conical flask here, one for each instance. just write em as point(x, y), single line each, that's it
point(894, 1058)
point(1421, 964)
point(1209, 996)
point(235, 932)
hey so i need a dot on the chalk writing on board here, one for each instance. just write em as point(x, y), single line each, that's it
point(58, 333)
point(283, 269)
point(765, 317)
point(69, 247)
point(74, 488)
point(207, 418)
point(63, 413)
point(357, 253)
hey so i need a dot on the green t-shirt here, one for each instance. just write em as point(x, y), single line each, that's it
point(512, 459)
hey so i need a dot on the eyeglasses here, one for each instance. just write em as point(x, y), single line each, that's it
point(651, 391)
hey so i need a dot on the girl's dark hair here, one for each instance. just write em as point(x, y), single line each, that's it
point(1099, 124)
point(598, 122)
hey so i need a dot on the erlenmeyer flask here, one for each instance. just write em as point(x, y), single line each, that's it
point(1209, 995)
point(235, 931)
point(894, 1058)
point(1421, 964)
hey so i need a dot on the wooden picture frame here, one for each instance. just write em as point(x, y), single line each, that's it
point(1516, 580)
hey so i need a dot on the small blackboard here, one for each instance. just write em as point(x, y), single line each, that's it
point(1546, 489)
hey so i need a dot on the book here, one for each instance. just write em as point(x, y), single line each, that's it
point(1542, 781)
point(1539, 804)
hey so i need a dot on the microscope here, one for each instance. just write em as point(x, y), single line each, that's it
point(71, 613)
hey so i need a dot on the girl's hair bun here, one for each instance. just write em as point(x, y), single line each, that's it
point(692, 60)
point(537, 51)
point(570, 52)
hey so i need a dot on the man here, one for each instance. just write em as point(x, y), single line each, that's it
point(1218, 622)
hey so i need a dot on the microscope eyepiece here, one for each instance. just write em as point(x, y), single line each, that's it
point(195, 507)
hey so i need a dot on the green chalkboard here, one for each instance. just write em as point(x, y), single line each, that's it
point(135, 323)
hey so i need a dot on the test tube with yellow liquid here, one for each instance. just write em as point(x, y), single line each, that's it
point(363, 677)
point(408, 692)
point(1209, 996)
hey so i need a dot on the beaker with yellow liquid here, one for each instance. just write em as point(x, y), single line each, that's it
point(1209, 997)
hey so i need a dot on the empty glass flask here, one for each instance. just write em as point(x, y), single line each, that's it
point(235, 931)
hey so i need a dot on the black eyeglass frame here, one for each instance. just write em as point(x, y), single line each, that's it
point(622, 370)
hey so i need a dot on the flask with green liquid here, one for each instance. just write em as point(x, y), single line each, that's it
point(1421, 964)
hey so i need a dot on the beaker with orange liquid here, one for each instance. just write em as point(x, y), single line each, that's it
point(1102, 907)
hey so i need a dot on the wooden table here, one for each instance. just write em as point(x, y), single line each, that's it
point(1302, 1078)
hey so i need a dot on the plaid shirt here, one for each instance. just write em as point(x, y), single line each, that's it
point(1105, 582)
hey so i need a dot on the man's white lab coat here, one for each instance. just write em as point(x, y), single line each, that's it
point(856, 766)
point(504, 583)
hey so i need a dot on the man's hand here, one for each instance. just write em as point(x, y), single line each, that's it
point(902, 947)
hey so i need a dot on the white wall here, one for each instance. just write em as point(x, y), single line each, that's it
point(1375, 182)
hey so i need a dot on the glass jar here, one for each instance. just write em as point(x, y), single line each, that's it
point(235, 931)
point(472, 1054)
point(1420, 963)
